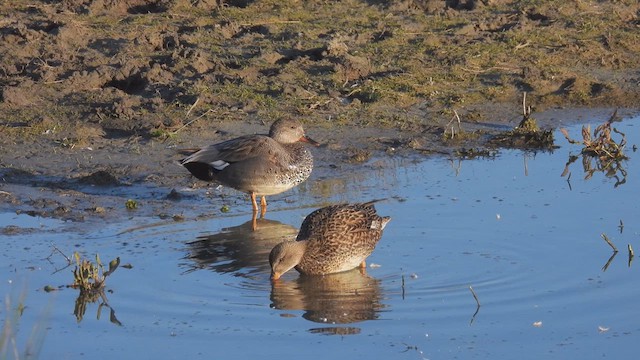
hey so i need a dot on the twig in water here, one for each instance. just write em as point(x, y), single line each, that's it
point(569, 181)
point(474, 295)
point(413, 347)
point(621, 226)
point(630, 249)
point(606, 238)
point(55, 249)
point(402, 286)
point(477, 307)
point(606, 266)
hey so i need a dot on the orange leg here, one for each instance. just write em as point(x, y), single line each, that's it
point(254, 221)
point(263, 206)
point(254, 203)
point(363, 267)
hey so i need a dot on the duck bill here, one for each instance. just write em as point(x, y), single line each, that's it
point(309, 140)
point(275, 276)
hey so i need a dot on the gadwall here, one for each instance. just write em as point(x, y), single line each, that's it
point(258, 165)
point(331, 239)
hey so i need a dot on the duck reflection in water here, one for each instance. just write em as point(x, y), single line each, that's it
point(341, 298)
point(239, 249)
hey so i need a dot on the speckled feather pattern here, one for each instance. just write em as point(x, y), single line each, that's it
point(339, 237)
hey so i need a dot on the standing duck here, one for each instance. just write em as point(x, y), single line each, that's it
point(331, 239)
point(258, 165)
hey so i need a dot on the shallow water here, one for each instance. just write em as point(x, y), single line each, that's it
point(527, 240)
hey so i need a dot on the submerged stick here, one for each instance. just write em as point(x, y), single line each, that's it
point(606, 238)
point(473, 317)
point(630, 249)
point(55, 249)
point(606, 266)
point(474, 295)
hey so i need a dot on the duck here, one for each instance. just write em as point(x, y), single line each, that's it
point(332, 239)
point(259, 165)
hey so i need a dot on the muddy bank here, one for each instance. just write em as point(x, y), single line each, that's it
point(99, 96)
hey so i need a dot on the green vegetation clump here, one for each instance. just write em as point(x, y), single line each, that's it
point(89, 278)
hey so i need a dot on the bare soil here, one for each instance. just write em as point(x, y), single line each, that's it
point(98, 96)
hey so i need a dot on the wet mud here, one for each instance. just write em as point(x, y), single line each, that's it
point(98, 98)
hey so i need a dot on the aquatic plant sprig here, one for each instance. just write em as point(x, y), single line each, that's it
point(90, 277)
point(607, 152)
point(601, 144)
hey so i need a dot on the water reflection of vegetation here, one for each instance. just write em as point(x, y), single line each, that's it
point(81, 306)
point(341, 298)
point(602, 149)
point(239, 247)
point(613, 169)
point(90, 279)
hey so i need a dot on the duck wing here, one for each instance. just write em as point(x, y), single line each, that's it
point(341, 219)
point(235, 150)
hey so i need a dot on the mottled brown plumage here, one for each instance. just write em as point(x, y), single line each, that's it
point(331, 239)
point(259, 165)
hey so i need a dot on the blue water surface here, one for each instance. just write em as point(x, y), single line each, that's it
point(527, 240)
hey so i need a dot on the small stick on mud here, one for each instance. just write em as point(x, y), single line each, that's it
point(606, 238)
point(526, 110)
point(455, 117)
point(193, 106)
point(192, 121)
point(272, 22)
